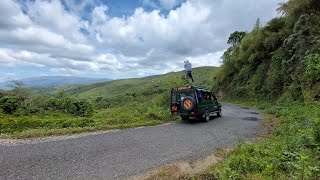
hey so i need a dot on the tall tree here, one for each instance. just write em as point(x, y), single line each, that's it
point(257, 25)
point(236, 37)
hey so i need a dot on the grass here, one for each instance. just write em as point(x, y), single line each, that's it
point(108, 89)
point(60, 123)
point(293, 152)
point(118, 104)
point(202, 75)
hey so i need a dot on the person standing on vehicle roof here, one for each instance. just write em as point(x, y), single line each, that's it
point(187, 66)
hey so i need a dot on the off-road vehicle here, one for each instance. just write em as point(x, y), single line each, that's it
point(194, 101)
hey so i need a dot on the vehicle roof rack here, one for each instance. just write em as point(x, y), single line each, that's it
point(199, 87)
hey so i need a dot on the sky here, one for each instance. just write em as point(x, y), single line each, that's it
point(118, 39)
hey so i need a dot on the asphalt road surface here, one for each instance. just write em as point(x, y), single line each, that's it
point(120, 154)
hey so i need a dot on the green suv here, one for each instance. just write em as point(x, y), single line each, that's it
point(194, 101)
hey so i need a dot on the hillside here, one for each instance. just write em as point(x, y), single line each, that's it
point(276, 68)
point(109, 88)
point(46, 81)
point(202, 75)
point(279, 60)
point(25, 112)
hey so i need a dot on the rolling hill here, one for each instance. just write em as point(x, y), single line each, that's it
point(46, 81)
point(32, 112)
point(202, 75)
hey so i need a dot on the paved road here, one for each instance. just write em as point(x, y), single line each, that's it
point(115, 155)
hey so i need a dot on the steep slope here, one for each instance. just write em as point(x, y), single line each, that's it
point(280, 60)
point(276, 68)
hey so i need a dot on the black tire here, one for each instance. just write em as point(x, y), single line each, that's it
point(188, 103)
point(219, 114)
point(185, 118)
point(207, 116)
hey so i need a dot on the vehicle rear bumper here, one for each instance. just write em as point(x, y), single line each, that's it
point(179, 113)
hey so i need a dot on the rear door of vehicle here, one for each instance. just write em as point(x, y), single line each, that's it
point(183, 94)
point(174, 104)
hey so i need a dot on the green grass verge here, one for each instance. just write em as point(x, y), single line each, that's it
point(293, 152)
point(117, 104)
point(131, 115)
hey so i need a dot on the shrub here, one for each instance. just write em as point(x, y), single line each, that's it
point(1, 112)
point(71, 106)
point(21, 112)
point(316, 132)
point(100, 103)
point(313, 65)
point(9, 104)
point(82, 108)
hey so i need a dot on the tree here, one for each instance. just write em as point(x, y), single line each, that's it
point(18, 88)
point(293, 9)
point(236, 37)
point(257, 24)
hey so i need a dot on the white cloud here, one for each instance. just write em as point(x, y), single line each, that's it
point(10, 58)
point(52, 15)
point(38, 39)
point(99, 15)
point(11, 15)
point(178, 33)
point(55, 35)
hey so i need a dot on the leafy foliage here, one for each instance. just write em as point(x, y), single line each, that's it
point(9, 104)
point(236, 37)
point(279, 60)
point(107, 105)
point(293, 152)
point(277, 68)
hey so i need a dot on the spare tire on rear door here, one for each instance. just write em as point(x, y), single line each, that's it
point(188, 103)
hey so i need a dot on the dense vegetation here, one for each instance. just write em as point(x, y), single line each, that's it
point(279, 60)
point(116, 104)
point(276, 68)
point(293, 151)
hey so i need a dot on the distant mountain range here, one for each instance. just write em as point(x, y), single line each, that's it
point(45, 81)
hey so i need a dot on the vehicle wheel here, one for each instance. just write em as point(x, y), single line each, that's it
point(188, 103)
point(207, 116)
point(185, 118)
point(219, 114)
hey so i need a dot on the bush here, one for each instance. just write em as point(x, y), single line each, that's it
point(82, 108)
point(21, 112)
point(72, 106)
point(313, 66)
point(1, 112)
point(292, 153)
point(9, 104)
point(316, 132)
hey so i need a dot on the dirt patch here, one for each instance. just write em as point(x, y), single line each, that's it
point(183, 170)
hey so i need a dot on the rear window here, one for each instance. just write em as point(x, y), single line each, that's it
point(180, 95)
